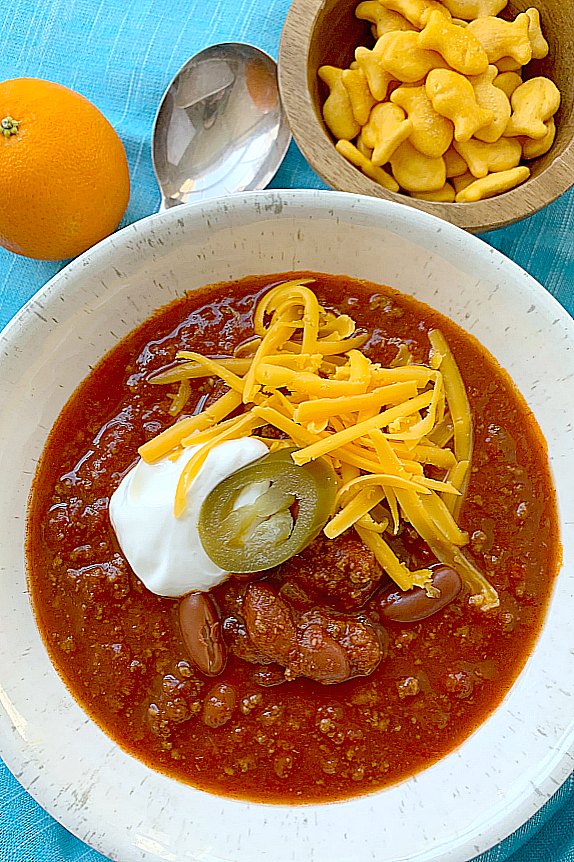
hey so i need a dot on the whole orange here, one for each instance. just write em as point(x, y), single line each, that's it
point(64, 178)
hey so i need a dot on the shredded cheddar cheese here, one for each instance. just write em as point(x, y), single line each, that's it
point(380, 427)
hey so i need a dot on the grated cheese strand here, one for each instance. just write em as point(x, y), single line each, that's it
point(457, 477)
point(193, 370)
point(338, 439)
point(323, 408)
point(458, 406)
point(389, 561)
point(161, 445)
point(357, 508)
point(180, 400)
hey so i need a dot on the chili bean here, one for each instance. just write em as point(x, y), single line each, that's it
point(269, 676)
point(201, 632)
point(219, 705)
point(414, 605)
point(364, 644)
point(238, 641)
point(320, 656)
point(269, 623)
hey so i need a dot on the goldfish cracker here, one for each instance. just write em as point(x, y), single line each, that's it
point(431, 133)
point(353, 155)
point(508, 82)
point(445, 195)
point(383, 20)
point(493, 98)
point(403, 58)
point(360, 95)
point(452, 96)
point(462, 181)
point(377, 76)
point(501, 38)
point(337, 110)
point(416, 11)
point(531, 149)
point(366, 151)
point(386, 130)
point(470, 9)
point(455, 164)
point(415, 172)
point(539, 44)
point(533, 103)
point(507, 64)
point(493, 184)
point(483, 158)
point(457, 45)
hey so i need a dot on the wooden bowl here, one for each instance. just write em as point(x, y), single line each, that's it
point(319, 32)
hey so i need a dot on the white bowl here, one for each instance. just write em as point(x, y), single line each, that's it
point(457, 808)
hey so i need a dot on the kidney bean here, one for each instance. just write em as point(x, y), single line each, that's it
point(414, 605)
point(219, 704)
point(366, 645)
point(269, 623)
point(201, 632)
point(320, 656)
point(270, 676)
point(363, 643)
point(238, 641)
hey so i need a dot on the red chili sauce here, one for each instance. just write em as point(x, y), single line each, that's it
point(119, 649)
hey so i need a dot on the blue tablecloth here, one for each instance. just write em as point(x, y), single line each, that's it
point(121, 54)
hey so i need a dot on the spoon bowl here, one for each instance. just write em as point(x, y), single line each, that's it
point(220, 127)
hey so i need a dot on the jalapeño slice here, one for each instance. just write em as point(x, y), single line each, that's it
point(266, 512)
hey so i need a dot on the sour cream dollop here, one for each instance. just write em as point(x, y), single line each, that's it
point(165, 552)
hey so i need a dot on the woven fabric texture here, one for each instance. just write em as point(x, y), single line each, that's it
point(121, 54)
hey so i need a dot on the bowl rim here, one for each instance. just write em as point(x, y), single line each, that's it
point(318, 147)
point(265, 205)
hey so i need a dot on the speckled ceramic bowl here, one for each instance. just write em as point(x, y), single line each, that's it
point(450, 812)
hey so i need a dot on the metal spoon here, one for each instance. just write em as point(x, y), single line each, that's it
point(220, 127)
